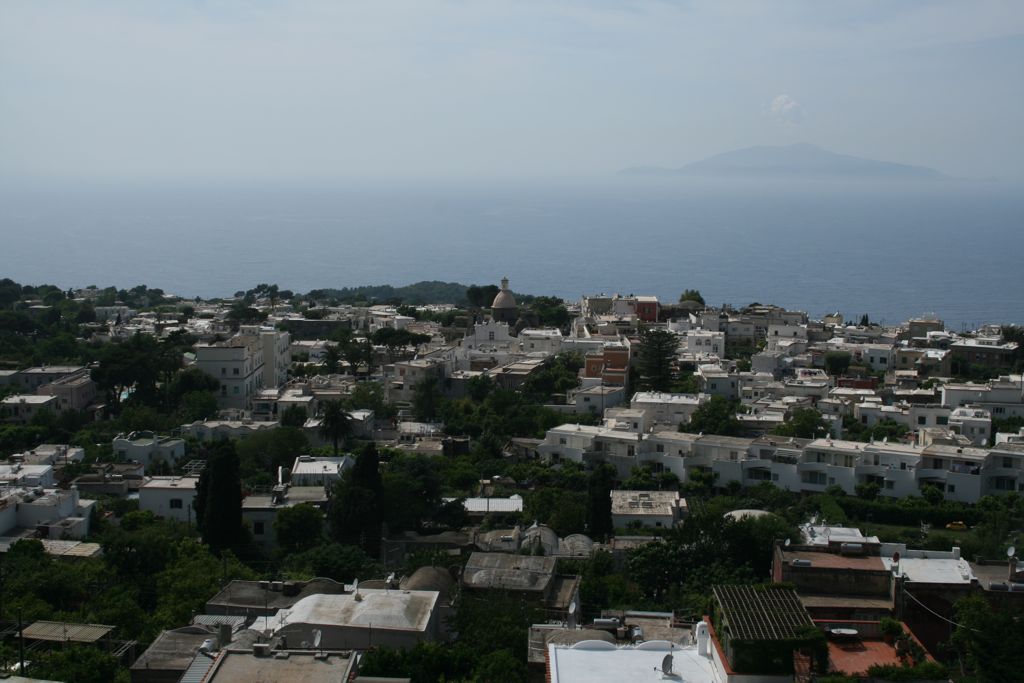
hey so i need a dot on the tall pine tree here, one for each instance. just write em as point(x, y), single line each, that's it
point(219, 499)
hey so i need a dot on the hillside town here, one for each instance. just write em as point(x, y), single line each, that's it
point(441, 482)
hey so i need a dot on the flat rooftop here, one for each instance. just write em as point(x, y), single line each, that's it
point(856, 657)
point(294, 666)
point(595, 661)
point(645, 502)
point(833, 561)
point(171, 483)
point(940, 570)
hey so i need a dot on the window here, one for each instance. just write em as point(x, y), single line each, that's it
point(258, 528)
point(561, 440)
point(951, 488)
point(234, 371)
point(223, 390)
point(176, 504)
point(1007, 462)
point(921, 419)
point(236, 389)
point(223, 371)
point(490, 336)
point(889, 484)
point(942, 420)
point(660, 448)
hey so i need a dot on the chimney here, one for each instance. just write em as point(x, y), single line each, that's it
point(223, 636)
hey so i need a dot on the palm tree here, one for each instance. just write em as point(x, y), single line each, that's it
point(332, 357)
point(335, 424)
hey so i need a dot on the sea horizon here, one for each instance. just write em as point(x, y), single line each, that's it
point(891, 251)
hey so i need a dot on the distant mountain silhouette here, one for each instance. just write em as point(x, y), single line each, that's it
point(801, 160)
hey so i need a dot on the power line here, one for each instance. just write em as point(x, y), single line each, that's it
point(929, 609)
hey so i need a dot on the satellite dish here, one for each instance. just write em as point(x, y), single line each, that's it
point(317, 636)
point(787, 542)
point(1011, 551)
point(572, 608)
point(666, 665)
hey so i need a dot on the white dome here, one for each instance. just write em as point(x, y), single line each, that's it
point(504, 299)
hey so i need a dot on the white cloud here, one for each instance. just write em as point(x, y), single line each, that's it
point(785, 108)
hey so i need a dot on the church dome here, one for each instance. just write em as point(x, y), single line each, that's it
point(504, 299)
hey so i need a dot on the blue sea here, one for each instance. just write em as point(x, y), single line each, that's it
point(955, 249)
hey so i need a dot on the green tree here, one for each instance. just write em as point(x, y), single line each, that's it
point(293, 416)
point(79, 663)
point(716, 416)
point(481, 297)
point(988, 641)
point(426, 399)
point(342, 563)
point(501, 666)
point(599, 502)
point(332, 358)
point(198, 405)
point(335, 424)
point(691, 295)
point(298, 528)
point(191, 578)
point(370, 396)
point(657, 356)
point(837, 362)
point(804, 423)
point(219, 499)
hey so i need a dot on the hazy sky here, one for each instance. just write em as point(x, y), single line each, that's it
point(269, 89)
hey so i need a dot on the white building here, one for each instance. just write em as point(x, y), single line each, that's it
point(961, 472)
point(276, 352)
point(368, 617)
point(148, 448)
point(651, 509)
point(23, 474)
point(259, 510)
point(48, 512)
point(311, 470)
point(668, 409)
point(169, 497)
point(238, 365)
point(599, 661)
point(217, 430)
point(974, 423)
point(22, 408)
point(703, 344)
point(547, 340)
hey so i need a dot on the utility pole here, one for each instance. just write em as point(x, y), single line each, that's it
point(21, 646)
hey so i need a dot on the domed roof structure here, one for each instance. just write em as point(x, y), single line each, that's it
point(740, 515)
point(504, 299)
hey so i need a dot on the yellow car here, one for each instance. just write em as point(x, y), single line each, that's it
point(956, 526)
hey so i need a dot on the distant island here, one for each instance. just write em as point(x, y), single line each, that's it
point(798, 160)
